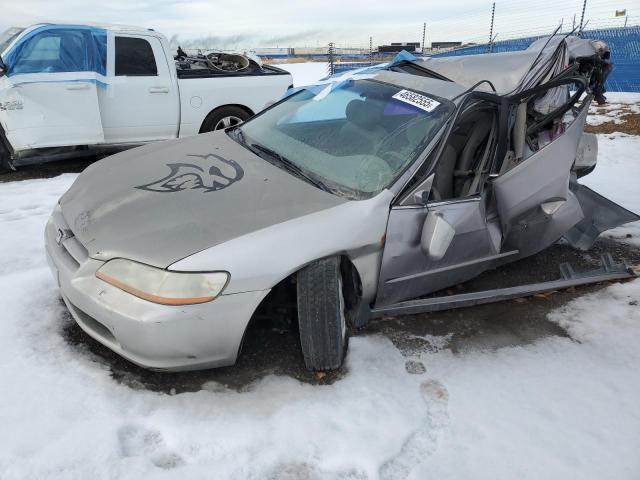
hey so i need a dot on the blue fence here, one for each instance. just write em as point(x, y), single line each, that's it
point(623, 42)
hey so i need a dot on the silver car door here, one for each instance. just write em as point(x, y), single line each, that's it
point(432, 247)
point(533, 199)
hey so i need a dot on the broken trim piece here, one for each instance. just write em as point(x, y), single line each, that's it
point(609, 271)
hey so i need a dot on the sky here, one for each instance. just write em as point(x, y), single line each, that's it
point(290, 23)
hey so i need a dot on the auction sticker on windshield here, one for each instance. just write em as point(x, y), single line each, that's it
point(421, 101)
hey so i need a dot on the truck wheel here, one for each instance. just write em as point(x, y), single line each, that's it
point(5, 163)
point(222, 118)
point(321, 315)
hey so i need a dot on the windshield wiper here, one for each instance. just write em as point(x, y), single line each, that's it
point(239, 134)
point(290, 166)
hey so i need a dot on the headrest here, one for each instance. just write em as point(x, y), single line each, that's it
point(363, 114)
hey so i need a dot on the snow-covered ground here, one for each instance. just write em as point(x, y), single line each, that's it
point(617, 104)
point(560, 408)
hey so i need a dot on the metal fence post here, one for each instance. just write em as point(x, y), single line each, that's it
point(331, 53)
point(493, 13)
point(584, 7)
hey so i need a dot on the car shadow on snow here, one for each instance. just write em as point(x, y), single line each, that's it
point(273, 347)
point(47, 170)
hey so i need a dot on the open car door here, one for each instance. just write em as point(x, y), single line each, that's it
point(532, 195)
point(537, 196)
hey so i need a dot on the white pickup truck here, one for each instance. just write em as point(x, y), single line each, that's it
point(72, 90)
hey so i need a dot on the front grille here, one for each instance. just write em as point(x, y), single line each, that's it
point(75, 250)
point(70, 250)
point(69, 260)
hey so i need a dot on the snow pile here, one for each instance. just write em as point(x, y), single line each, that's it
point(615, 178)
point(556, 409)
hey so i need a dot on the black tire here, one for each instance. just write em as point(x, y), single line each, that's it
point(321, 315)
point(5, 164)
point(216, 119)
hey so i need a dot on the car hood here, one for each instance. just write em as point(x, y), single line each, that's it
point(163, 202)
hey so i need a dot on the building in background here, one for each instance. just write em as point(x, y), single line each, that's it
point(398, 47)
point(443, 45)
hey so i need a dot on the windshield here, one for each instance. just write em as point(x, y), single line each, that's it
point(354, 140)
point(8, 36)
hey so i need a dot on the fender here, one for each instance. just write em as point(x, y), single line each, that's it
point(261, 259)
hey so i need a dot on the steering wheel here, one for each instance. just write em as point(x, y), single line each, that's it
point(390, 156)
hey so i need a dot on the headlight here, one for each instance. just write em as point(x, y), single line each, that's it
point(162, 286)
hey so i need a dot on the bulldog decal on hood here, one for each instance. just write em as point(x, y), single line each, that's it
point(186, 176)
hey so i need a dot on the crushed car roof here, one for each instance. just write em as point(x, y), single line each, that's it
point(505, 73)
point(504, 70)
point(508, 71)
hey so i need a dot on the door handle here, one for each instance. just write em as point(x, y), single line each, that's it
point(77, 86)
point(158, 89)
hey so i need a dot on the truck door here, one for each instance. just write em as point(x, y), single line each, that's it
point(54, 96)
point(141, 102)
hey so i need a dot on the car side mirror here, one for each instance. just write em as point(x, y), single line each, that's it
point(437, 235)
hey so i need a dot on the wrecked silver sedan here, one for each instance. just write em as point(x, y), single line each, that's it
point(356, 197)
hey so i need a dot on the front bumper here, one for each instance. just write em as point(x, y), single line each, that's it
point(154, 336)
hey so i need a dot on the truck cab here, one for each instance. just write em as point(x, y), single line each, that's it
point(69, 90)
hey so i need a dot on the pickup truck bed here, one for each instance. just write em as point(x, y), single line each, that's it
point(265, 70)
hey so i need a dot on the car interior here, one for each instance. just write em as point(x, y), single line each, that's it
point(465, 157)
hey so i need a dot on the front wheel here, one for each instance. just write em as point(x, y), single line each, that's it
point(321, 315)
point(224, 117)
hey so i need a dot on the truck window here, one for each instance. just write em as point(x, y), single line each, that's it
point(62, 50)
point(134, 58)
